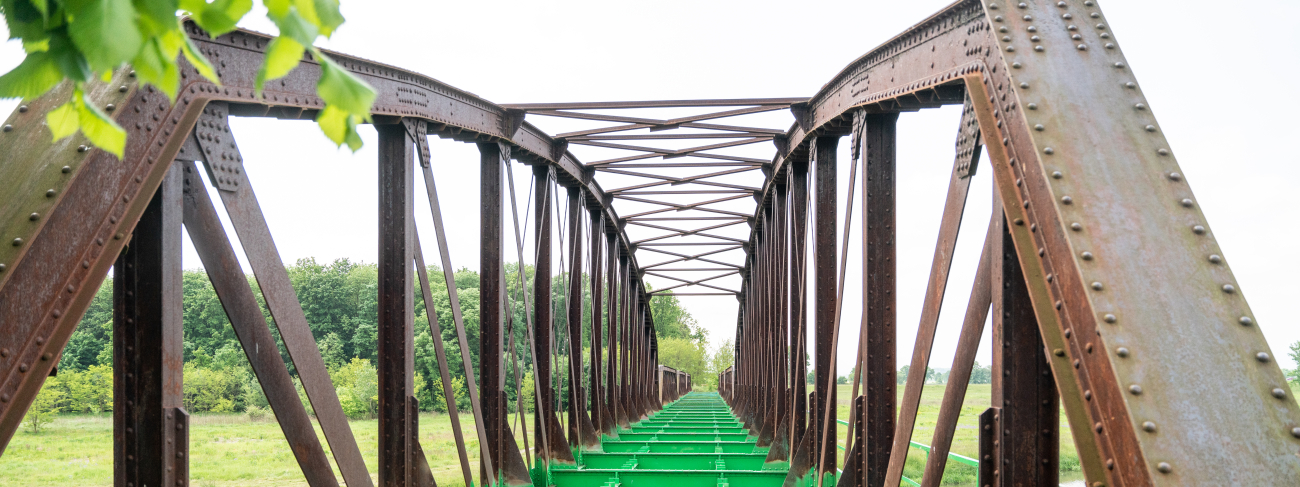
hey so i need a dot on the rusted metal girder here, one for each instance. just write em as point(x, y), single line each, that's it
point(396, 305)
point(148, 417)
point(582, 432)
point(1101, 289)
point(825, 258)
point(549, 438)
point(879, 274)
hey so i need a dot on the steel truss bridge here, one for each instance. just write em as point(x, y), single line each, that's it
point(1105, 285)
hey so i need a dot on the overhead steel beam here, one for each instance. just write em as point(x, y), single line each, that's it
point(719, 102)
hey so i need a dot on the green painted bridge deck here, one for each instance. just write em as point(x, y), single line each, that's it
point(694, 442)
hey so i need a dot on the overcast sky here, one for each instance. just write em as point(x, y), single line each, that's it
point(1216, 76)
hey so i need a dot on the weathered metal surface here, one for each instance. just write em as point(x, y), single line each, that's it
point(281, 299)
point(1027, 438)
point(825, 285)
point(245, 314)
point(878, 149)
point(968, 342)
point(396, 305)
point(147, 345)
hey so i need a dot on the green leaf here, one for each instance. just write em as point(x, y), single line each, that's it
point(282, 55)
point(63, 120)
point(156, 16)
point(36, 46)
point(43, 7)
point(24, 20)
point(192, 6)
point(296, 27)
point(156, 66)
point(100, 129)
point(327, 11)
point(340, 127)
point(220, 17)
point(105, 32)
point(277, 8)
point(199, 61)
point(32, 78)
point(69, 60)
point(339, 87)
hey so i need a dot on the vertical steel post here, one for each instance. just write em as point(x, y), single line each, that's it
point(825, 256)
point(625, 315)
point(878, 289)
point(616, 417)
point(550, 442)
point(1023, 386)
point(149, 424)
point(396, 304)
point(598, 415)
point(490, 301)
point(580, 428)
point(799, 299)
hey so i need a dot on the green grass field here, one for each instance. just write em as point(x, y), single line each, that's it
point(228, 449)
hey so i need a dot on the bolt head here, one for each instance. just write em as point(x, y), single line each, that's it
point(1082, 47)
point(1032, 106)
point(1215, 259)
point(1057, 175)
point(1135, 389)
point(1040, 127)
point(1122, 352)
point(1164, 467)
point(1086, 255)
point(1149, 427)
point(1246, 321)
point(1049, 151)
point(1262, 357)
point(8, 128)
point(1295, 432)
point(1151, 128)
point(1229, 289)
point(1198, 229)
point(1038, 48)
point(1279, 393)
point(1096, 286)
point(1187, 202)
point(1076, 227)
point(1067, 200)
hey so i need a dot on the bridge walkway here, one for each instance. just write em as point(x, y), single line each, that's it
point(693, 442)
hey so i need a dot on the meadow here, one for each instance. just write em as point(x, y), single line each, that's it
point(230, 449)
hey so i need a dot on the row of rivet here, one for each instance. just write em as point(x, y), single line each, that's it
point(1053, 284)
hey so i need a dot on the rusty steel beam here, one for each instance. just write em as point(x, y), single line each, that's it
point(1028, 436)
point(396, 305)
point(719, 102)
point(147, 346)
point(549, 438)
point(599, 413)
point(878, 149)
point(825, 284)
point(245, 314)
point(579, 421)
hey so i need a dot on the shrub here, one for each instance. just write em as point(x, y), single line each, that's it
point(357, 385)
point(48, 403)
point(255, 413)
point(212, 390)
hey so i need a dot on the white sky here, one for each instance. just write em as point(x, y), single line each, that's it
point(1190, 57)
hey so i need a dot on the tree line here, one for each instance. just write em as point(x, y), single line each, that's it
point(340, 302)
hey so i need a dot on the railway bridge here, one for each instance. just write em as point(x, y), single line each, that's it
point(1103, 281)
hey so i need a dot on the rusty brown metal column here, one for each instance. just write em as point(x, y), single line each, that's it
point(1023, 386)
point(490, 298)
point(625, 312)
point(616, 417)
point(550, 443)
point(580, 425)
point(150, 426)
point(879, 283)
point(825, 256)
point(798, 300)
point(396, 305)
point(599, 417)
